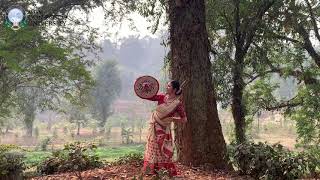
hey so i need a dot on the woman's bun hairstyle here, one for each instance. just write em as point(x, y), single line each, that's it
point(176, 85)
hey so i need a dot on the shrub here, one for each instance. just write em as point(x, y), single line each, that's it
point(313, 156)
point(263, 161)
point(74, 157)
point(127, 135)
point(44, 143)
point(11, 162)
point(8, 147)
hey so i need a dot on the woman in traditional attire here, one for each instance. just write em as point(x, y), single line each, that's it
point(159, 147)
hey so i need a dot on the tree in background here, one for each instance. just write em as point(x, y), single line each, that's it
point(28, 99)
point(281, 50)
point(297, 26)
point(38, 73)
point(42, 64)
point(233, 34)
point(105, 91)
point(77, 115)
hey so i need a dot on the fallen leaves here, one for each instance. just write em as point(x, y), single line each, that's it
point(131, 170)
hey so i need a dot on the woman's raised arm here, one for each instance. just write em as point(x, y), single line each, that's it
point(158, 97)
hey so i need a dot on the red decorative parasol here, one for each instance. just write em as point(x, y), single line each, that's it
point(146, 87)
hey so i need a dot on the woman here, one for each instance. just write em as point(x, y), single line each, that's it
point(159, 148)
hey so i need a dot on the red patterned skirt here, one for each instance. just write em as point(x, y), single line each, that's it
point(159, 151)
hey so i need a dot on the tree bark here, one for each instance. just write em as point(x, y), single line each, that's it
point(200, 141)
point(238, 106)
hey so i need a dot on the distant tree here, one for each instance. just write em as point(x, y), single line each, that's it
point(235, 28)
point(77, 115)
point(28, 99)
point(36, 132)
point(28, 55)
point(106, 90)
point(140, 124)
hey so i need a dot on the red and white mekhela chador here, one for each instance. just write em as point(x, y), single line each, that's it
point(159, 147)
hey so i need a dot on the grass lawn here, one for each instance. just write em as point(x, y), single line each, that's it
point(105, 153)
point(112, 153)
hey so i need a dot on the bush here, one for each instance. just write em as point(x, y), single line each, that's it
point(313, 154)
point(263, 161)
point(8, 147)
point(11, 162)
point(74, 157)
point(130, 158)
point(44, 143)
point(127, 135)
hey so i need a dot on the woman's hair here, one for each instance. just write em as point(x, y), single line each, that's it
point(176, 85)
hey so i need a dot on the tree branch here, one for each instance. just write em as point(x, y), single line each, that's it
point(313, 20)
point(307, 44)
point(262, 74)
point(257, 20)
point(55, 8)
point(286, 104)
point(283, 37)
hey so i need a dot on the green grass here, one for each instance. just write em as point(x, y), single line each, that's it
point(105, 153)
point(35, 157)
point(113, 153)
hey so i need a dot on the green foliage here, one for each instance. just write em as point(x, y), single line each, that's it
point(113, 153)
point(8, 147)
point(127, 135)
point(314, 162)
point(11, 162)
point(136, 158)
point(44, 143)
point(263, 161)
point(28, 59)
point(34, 158)
point(77, 114)
point(270, 50)
point(259, 95)
point(73, 157)
point(106, 90)
point(307, 116)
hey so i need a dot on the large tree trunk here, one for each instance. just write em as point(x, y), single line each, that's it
point(200, 141)
point(238, 106)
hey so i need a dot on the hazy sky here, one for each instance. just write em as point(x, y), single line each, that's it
point(118, 32)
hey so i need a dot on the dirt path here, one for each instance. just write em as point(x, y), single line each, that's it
point(133, 170)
